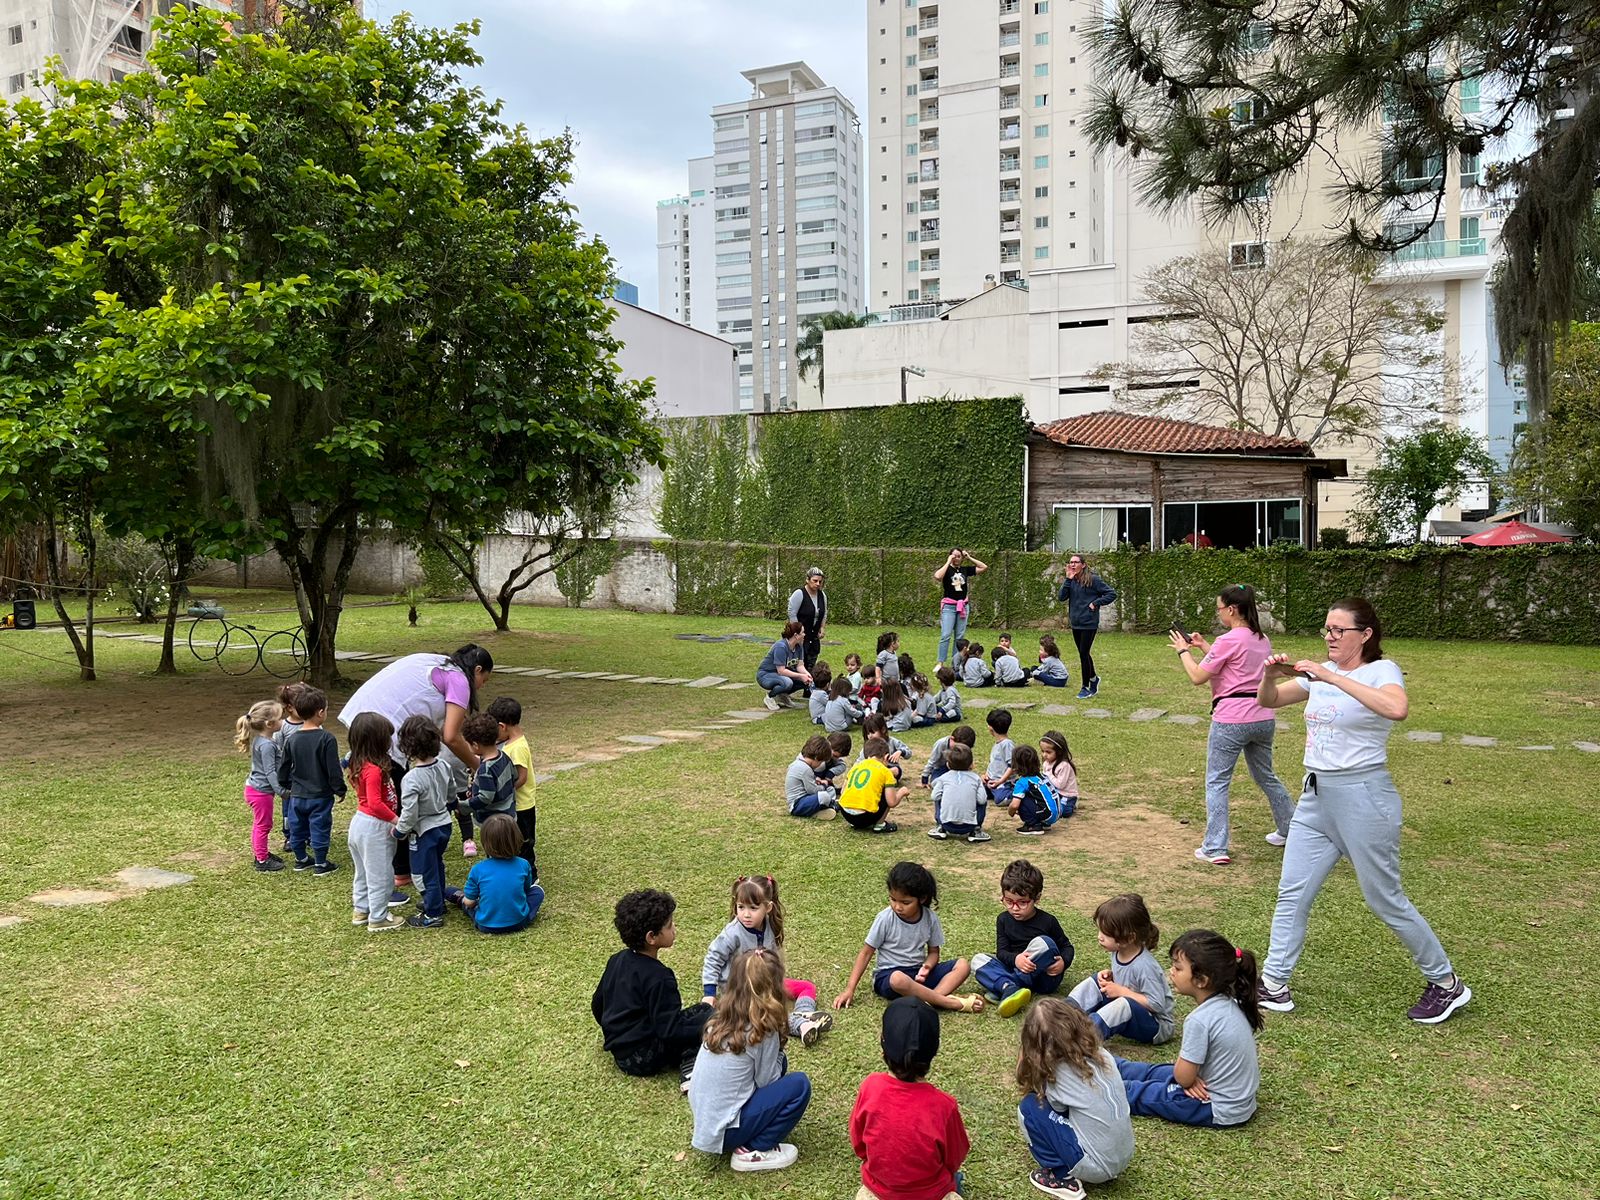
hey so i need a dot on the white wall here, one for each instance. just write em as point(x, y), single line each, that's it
point(695, 373)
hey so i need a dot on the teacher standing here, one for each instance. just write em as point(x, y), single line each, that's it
point(956, 579)
point(1233, 666)
point(1085, 594)
point(809, 606)
point(1349, 808)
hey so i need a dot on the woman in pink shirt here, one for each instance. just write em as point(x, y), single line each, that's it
point(1233, 666)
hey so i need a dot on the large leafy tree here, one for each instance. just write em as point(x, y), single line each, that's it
point(808, 350)
point(379, 306)
point(1295, 346)
point(1556, 464)
point(1217, 97)
point(1415, 473)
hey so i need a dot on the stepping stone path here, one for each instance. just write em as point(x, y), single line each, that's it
point(642, 739)
point(706, 681)
point(148, 879)
point(733, 687)
point(977, 702)
point(1183, 719)
point(1097, 712)
point(751, 714)
point(73, 897)
point(1587, 747)
point(1423, 735)
point(1535, 747)
point(9, 922)
point(1468, 739)
point(681, 735)
point(1147, 714)
point(1057, 710)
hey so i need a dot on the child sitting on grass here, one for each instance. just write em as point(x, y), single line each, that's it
point(1133, 997)
point(946, 701)
point(974, 674)
point(872, 790)
point(636, 1003)
point(1008, 672)
point(907, 1133)
point(755, 920)
point(874, 725)
point(1051, 671)
point(839, 747)
point(1060, 772)
point(817, 698)
point(924, 711)
point(1033, 800)
point(870, 688)
point(907, 937)
point(895, 707)
point(501, 895)
point(1031, 950)
point(852, 666)
point(959, 801)
point(806, 786)
point(998, 775)
point(841, 711)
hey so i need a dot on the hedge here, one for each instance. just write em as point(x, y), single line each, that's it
point(1522, 593)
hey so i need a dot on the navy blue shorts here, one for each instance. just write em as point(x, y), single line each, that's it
point(880, 978)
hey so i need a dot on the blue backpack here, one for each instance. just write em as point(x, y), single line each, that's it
point(1045, 792)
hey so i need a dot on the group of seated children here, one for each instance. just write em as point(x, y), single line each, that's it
point(1037, 787)
point(501, 891)
point(893, 687)
point(1007, 670)
point(1078, 1099)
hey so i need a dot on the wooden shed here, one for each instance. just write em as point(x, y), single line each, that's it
point(1106, 477)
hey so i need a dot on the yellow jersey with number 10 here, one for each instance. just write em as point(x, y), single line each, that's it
point(863, 790)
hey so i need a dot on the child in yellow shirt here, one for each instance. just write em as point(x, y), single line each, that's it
point(514, 743)
point(871, 790)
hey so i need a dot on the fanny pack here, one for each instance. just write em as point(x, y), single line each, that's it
point(1216, 700)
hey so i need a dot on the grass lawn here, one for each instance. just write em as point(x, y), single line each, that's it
point(237, 1037)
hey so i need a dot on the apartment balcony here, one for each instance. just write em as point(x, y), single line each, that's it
point(929, 22)
point(1010, 133)
point(929, 85)
point(1010, 164)
point(930, 231)
point(1011, 256)
point(930, 266)
point(930, 205)
point(928, 144)
point(929, 113)
point(1007, 103)
point(1010, 39)
point(1010, 226)
point(929, 176)
point(1010, 196)
point(1010, 70)
point(928, 54)
point(1008, 7)
point(1455, 258)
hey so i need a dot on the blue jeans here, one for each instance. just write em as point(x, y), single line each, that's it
point(810, 806)
point(427, 860)
point(1124, 1017)
point(311, 820)
point(1051, 1139)
point(961, 828)
point(994, 976)
point(778, 685)
point(535, 901)
point(952, 626)
point(1225, 743)
point(881, 978)
point(1152, 1093)
point(1049, 681)
point(770, 1114)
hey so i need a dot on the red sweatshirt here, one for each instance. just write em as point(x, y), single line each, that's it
point(375, 793)
point(909, 1137)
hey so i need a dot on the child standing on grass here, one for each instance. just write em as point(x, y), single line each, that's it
point(288, 693)
point(888, 662)
point(1132, 997)
point(425, 820)
point(501, 895)
point(309, 772)
point(939, 756)
point(494, 785)
point(507, 713)
point(371, 833)
point(1060, 772)
point(1051, 672)
point(806, 786)
point(1031, 950)
point(1033, 801)
point(907, 938)
point(871, 791)
point(959, 801)
point(636, 1003)
point(1075, 1113)
point(254, 732)
point(907, 1133)
point(756, 921)
point(998, 775)
point(947, 701)
point(974, 674)
point(817, 697)
point(1215, 1079)
point(744, 1098)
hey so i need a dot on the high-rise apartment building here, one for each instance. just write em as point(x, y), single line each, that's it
point(784, 237)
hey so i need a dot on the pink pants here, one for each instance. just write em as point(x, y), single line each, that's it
point(261, 805)
point(798, 988)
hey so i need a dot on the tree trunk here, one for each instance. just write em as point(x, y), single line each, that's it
point(462, 558)
point(319, 598)
point(178, 563)
point(83, 647)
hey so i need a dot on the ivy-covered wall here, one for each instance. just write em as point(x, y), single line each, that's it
point(935, 474)
point(1528, 593)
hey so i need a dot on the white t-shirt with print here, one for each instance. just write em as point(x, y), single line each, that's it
point(1342, 734)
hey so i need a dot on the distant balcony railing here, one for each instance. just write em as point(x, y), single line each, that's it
point(1007, 7)
point(928, 144)
point(1009, 164)
point(930, 266)
point(1010, 39)
point(1009, 70)
point(929, 113)
point(1431, 251)
point(930, 85)
point(1010, 195)
point(929, 22)
point(1010, 133)
point(930, 231)
point(1011, 258)
point(930, 206)
point(1010, 226)
point(1007, 103)
point(929, 176)
point(928, 55)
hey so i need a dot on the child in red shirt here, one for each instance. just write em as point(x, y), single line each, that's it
point(372, 825)
point(907, 1133)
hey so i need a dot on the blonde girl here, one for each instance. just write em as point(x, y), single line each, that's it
point(1060, 770)
point(755, 921)
point(253, 733)
point(1075, 1112)
point(742, 1094)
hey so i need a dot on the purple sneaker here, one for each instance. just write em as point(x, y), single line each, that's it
point(1274, 999)
point(1438, 1003)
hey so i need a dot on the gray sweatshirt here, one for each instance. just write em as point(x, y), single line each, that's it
point(888, 666)
point(817, 702)
point(1051, 667)
point(975, 674)
point(723, 1083)
point(1007, 669)
point(840, 714)
point(424, 792)
point(263, 765)
point(1097, 1110)
point(936, 759)
point(801, 781)
point(956, 797)
point(947, 703)
point(901, 721)
point(733, 941)
point(925, 707)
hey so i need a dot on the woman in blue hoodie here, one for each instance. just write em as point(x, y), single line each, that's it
point(1085, 594)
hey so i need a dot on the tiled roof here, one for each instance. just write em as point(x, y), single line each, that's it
point(1159, 435)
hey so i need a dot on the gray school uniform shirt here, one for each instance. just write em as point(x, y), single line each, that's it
point(905, 944)
point(901, 721)
point(1097, 1109)
point(279, 736)
point(263, 775)
point(888, 666)
point(1051, 667)
point(733, 941)
point(975, 674)
point(800, 782)
point(1145, 976)
point(723, 1083)
point(925, 708)
point(1007, 669)
point(424, 792)
point(817, 703)
point(936, 756)
point(1000, 759)
point(947, 702)
point(838, 715)
point(1217, 1039)
point(956, 797)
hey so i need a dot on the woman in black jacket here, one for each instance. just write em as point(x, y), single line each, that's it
point(1086, 594)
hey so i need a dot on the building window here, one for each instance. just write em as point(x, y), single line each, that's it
point(912, 237)
point(1041, 251)
point(1250, 111)
point(912, 119)
point(1041, 7)
point(1247, 254)
point(1041, 192)
point(911, 60)
point(1040, 70)
point(1041, 131)
point(1041, 222)
point(913, 265)
point(1470, 94)
point(1041, 39)
point(16, 83)
point(1092, 527)
point(1042, 101)
point(14, 35)
point(1040, 161)
point(911, 149)
point(1469, 169)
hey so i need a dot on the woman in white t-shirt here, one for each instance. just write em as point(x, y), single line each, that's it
point(1349, 807)
point(1233, 666)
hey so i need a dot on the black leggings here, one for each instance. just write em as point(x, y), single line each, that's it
point(1085, 640)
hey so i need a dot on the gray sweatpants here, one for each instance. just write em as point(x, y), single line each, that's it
point(372, 856)
point(1225, 743)
point(1354, 815)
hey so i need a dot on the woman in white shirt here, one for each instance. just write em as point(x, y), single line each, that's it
point(1349, 807)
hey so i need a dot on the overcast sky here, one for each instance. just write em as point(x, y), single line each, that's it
point(635, 81)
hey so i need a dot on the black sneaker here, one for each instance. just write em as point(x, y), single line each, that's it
point(1031, 830)
point(886, 827)
point(1438, 1003)
point(324, 868)
point(1274, 999)
point(1057, 1183)
point(270, 863)
point(303, 864)
point(423, 921)
point(980, 835)
point(685, 1073)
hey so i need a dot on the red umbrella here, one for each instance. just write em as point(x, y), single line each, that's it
point(1513, 533)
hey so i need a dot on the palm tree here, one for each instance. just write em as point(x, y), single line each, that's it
point(808, 350)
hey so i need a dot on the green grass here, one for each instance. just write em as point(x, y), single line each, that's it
point(236, 1036)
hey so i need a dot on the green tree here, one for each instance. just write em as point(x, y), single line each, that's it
point(1219, 98)
point(379, 307)
point(808, 350)
point(1555, 466)
point(1415, 473)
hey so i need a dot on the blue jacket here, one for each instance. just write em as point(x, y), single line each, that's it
point(1080, 595)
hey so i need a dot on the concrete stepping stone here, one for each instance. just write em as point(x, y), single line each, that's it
point(976, 702)
point(1183, 719)
point(722, 724)
point(707, 681)
point(73, 897)
point(592, 675)
point(1468, 739)
point(570, 675)
point(733, 687)
point(1057, 710)
point(532, 671)
point(648, 679)
point(1423, 735)
point(1098, 713)
point(499, 670)
point(681, 735)
point(1587, 747)
point(1535, 747)
point(545, 777)
point(750, 714)
point(643, 739)
point(600, 756)
point(684, 679)
point(1147, 714)
point(9, 922)
point(1019, 705)
point(618, 678)
point(639, 749)
point(148, 879)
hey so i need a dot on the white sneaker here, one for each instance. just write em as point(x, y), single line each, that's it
point(1216, 860)
point(772, 703)
point(765, 1160)
point(1276, 839)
